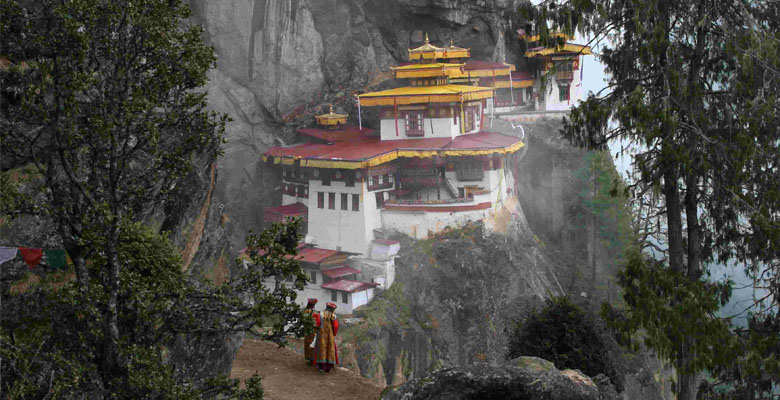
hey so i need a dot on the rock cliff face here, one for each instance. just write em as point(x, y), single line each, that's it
point(455, 299)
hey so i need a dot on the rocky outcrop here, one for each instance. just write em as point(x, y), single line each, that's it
point(524, 378)
point(455, 298)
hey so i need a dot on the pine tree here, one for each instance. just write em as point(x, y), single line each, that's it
point(693, 90)
point(102, 99)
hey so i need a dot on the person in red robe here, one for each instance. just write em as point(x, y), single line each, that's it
point(308, 350)
point(325, 349)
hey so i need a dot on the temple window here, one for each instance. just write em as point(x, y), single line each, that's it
point(380, 199)
point(320, 200)
point(563, 91)
point(529, 93)
point(469, 115)
point(332, 201)
point(325, 178)
point(313, 277)
point(413, 121)
point(344, 205)
point(334, 296)
point(355, 202)
point(349, 179)
point(470, 170)
point(345, 297)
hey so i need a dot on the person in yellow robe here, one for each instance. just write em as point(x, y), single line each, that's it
point(325, 349)
point(308, 349)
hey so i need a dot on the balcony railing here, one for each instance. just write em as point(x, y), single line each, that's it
point(564, 75)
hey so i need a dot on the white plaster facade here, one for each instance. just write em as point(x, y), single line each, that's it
point(336, 228)
point(432, 127)
point(552, 94)
point(312, 290)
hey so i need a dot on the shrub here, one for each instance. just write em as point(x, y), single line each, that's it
point(570, 337)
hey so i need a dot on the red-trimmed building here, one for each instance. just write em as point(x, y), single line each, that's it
point(431, 165)
point(331, 278)
point(559, 70)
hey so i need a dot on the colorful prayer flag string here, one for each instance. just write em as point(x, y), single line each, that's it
point(31, 256)
point(7, 253)
point(55, 258)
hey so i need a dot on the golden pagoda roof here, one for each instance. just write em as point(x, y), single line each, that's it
point(426, 51)
point(425, 94)
point(535, 38)
point(555, 50)
point(453, 51)
point(431, 70)
point(331, 118)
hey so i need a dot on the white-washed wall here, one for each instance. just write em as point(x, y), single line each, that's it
point(417, 224)
point(338, 228)
point(432, 127)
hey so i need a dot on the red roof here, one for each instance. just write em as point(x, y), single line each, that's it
point(347, 132)
point(364, 148)
point(314, 255)
point(279, 213)
point(386, 242)
point(340, 271)
point(348, 286)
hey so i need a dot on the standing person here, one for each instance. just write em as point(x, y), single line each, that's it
point(325, 350)
point(308, 350)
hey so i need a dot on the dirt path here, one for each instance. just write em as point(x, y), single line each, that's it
point(287, 377)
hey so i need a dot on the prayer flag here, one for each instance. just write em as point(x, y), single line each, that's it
point(55, 258)
point(31, 256)
point(7, 253)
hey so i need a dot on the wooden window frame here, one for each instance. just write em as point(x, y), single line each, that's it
point(564, 95)
point(414, 122)
point(331, 201)
point(321, 200)
point(355, 202)
point(344, 202)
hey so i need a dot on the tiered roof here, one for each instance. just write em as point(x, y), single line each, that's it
point(429, 52)
point(365, 152)
point(331, 118)
point(425, 94)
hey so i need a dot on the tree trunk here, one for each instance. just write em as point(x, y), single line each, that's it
point(592, 225)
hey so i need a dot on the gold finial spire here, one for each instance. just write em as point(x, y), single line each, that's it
point(426, 38)
point(331, 119)
point(452, 43)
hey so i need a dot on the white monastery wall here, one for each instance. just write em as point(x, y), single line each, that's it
point(287, 199)
point(417, 224)
point(432, 127)
point(335, 227)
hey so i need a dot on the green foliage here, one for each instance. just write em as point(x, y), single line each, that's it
point(569, 337)
point(52, 333)
point(658, 298)
point(102, 99)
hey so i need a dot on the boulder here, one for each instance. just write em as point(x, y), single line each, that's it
point(524, 378)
